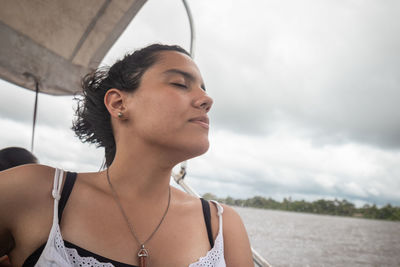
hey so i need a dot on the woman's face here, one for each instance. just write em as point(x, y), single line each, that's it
point(169, 109)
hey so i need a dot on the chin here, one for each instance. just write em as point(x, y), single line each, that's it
point(197, 149)
point(203, 149)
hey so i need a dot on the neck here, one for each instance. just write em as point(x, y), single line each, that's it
point(143, 175)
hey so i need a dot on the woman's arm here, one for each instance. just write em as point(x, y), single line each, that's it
point(237, 248)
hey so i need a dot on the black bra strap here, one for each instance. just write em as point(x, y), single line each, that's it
point(207, 219)
point(66, 191)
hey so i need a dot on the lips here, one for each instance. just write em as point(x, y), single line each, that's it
point(202, 121)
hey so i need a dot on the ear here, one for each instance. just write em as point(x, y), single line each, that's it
point(114, 100)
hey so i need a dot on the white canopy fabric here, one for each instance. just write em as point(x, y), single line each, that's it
point(57, 42)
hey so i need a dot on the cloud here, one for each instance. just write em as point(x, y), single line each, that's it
point(14, 133)
point(55, 143)
point(282, 166)
point(332, 69)
point(157, 22)
point(70, 154)
point(305, 98)
point(17, 104)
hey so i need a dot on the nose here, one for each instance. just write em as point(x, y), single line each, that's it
point(204, 102)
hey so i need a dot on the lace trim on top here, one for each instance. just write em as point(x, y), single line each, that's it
point(74, 258)
point(84, 261)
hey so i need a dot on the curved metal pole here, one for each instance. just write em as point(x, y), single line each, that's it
point(182, 171)
point(34, 116)
point(36, 81)
point(192, 39)
point(191, 23)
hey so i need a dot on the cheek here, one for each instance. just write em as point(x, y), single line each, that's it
point(168, 108)
point(160, 115)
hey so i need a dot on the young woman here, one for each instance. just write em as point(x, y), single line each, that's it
point(149, 112)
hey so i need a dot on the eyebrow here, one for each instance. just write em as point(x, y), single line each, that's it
point(185, 74)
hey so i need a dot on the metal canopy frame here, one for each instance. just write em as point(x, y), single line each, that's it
point(70, 38)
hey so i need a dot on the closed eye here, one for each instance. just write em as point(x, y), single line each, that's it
point(179, 85)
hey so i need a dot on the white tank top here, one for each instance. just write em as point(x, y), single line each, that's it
point(56, 254)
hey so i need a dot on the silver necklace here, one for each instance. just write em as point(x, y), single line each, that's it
point(143, 253)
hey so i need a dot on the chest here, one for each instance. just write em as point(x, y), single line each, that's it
point(101, 228)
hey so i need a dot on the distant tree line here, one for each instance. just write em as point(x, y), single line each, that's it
point(329, 207)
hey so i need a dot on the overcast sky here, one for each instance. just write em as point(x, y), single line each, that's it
point(305, 98)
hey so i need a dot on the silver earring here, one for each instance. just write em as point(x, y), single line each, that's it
point(120, 114)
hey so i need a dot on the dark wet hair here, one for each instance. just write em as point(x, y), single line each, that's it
point(15, 156)
point(92, 123)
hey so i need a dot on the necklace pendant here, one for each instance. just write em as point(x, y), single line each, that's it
point(143, 254)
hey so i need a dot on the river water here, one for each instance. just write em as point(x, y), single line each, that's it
point(300, 239)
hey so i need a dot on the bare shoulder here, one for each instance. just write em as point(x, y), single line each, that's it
point(191, 206)
point(237, 248)
point(26, 170)
point(21, 187)
point(21, 177)
point(184, 200)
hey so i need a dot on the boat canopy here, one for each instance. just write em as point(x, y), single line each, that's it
point(52, 44)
